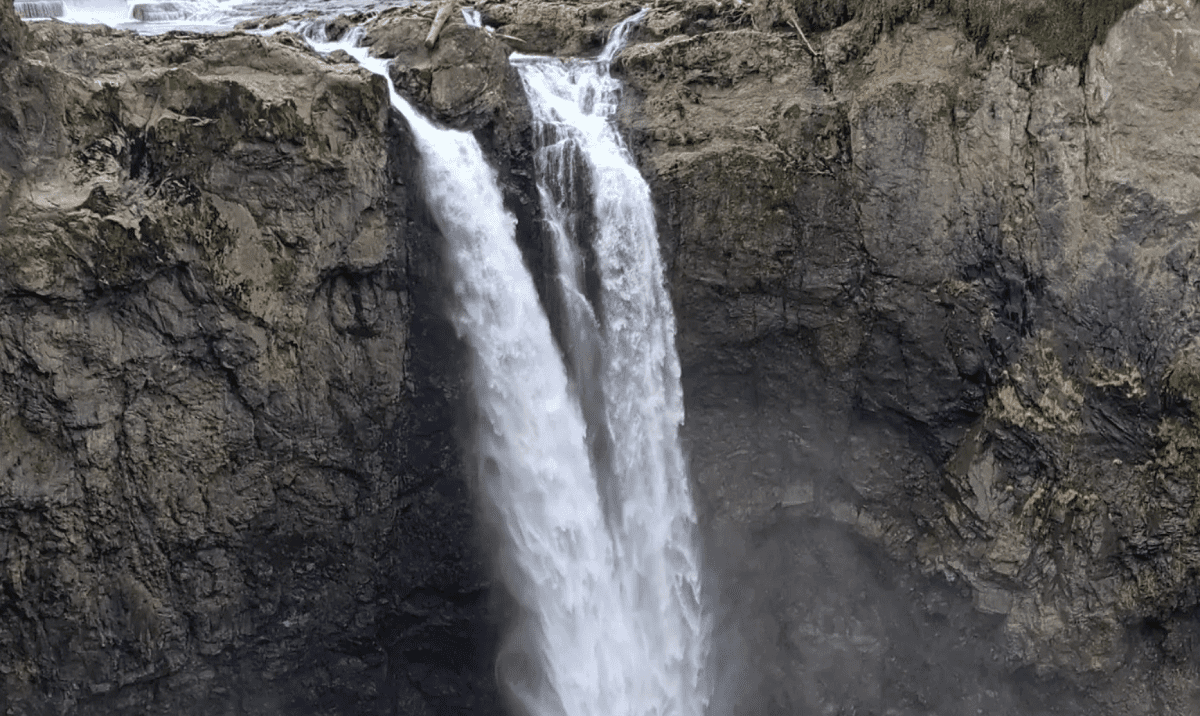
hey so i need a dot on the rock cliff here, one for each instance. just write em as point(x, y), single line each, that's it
point(935, 303)
point(228, 481)
point(937, 317)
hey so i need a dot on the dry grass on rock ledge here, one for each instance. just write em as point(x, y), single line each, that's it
point(1061, 29)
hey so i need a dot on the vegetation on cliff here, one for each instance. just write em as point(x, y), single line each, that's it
point(1060, 29)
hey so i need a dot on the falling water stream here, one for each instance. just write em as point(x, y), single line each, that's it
point(576, 439)
point(624, 361)
point(596, 546)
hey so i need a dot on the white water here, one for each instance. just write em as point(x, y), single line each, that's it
point(651, 516)
point(201, 15)
point(555, 555)
point(609, 589)
point(472, 17)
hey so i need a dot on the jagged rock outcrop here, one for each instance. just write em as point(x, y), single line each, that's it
point(556, 28)
point(935, 302)
point(228, 480)
point(12, 32)
point(465, 80)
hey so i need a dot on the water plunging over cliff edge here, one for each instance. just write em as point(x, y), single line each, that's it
point(624, 361)
point(609, 587)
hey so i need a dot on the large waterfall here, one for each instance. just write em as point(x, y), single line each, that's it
point(623, 358)
point(577, 445)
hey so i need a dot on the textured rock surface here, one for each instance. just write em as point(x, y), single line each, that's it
point(936, 304)
point(556, 28)
point(12, 31)
point(227, 481)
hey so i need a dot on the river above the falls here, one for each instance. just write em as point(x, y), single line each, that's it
point(153, 18)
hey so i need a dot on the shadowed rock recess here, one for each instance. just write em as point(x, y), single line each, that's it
point(938, 295)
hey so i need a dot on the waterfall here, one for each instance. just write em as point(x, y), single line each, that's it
point(38, 9)
point(472, 17)
point(596, 546)
point(594, 197)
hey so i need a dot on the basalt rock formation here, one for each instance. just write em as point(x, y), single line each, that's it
point(937, 318)
point(936, 302)
point(229, 482)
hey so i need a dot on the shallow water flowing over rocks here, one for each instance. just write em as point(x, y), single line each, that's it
point(934, 291)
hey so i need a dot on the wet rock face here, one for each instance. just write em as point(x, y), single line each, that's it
point(937, 301)
point(228, 479)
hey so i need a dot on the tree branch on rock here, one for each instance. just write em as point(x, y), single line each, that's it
point(443, 14)
point(789, 12)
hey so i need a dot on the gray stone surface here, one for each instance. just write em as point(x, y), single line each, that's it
point(937, 324)
point(228, 480)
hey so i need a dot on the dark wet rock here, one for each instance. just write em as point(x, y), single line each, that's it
point(227, 479)
point(934, 297)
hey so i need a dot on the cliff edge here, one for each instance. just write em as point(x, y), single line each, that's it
point(935, 303)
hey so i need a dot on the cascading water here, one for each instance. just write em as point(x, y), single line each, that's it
point(579, 463)
point(33, 9)
point(608, 588)
point(650, 512)
point(157, 16)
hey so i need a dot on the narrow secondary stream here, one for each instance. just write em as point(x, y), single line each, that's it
point(597, 544)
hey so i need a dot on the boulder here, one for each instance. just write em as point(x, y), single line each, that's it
point(465, 80)
point(557, 28)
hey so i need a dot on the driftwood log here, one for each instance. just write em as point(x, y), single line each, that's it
point(789, 12)
point(443, 14)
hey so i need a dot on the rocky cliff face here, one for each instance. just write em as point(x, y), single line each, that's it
point(228, 474)
point(937, 318)
point(936, 303)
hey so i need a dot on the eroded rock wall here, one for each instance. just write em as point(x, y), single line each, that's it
point(228, 479)
point(935, 303)
point(936, 313)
